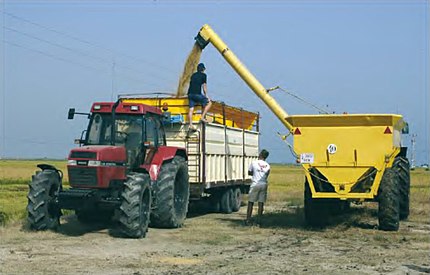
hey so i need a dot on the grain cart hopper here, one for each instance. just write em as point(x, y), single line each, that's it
point(219, 152)
point(348, 157)
point(123, 171)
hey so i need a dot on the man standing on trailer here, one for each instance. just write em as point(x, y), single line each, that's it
point(259, 170)
point(195, 96)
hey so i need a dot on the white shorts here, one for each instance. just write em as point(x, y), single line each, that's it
point(257, 193)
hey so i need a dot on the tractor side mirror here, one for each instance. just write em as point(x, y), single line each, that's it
point(71, 114)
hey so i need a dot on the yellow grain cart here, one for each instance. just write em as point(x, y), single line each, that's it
point(348, 157)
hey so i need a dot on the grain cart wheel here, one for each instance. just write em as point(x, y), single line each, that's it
point(135, 206)
point(225, 201)
point(43, 209)
point(172, 192)
point(316, 210)
point(389, 201)
point(402, 167)
point(236, 199)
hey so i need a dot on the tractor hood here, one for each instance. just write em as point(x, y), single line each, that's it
point(115, 154)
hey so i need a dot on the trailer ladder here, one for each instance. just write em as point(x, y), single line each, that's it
point(194, 157)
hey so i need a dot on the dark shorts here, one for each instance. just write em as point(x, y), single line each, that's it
point(197, 100)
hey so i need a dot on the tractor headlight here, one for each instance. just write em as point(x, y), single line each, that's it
point(72, 162)
point(94, 163)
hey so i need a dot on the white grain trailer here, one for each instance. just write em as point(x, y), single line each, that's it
point(219, 152)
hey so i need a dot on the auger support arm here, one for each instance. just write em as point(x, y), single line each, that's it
point(205, 36)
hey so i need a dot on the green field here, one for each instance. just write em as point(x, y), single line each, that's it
point(285, 189)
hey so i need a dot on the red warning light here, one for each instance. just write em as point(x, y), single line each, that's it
point(297, 132)
point(387, 130)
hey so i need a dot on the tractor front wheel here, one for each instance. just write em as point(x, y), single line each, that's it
point(43, 209)
point(172, 192)
point(135, 206)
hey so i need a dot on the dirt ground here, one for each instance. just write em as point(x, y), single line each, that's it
point(220, 244)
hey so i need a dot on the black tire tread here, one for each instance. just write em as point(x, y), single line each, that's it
point(236, 201)
point(402, 167)
point(316, 210)
point(132, 224)
point(41, 216)
point(389, 203)
point(164, 214)
point(225, 201)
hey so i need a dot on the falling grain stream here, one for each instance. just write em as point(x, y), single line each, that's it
point(189, 68)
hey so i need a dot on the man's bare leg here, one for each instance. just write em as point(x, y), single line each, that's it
point(260, 211)
point(205, 110)
point(249, 212)
point(190, 117)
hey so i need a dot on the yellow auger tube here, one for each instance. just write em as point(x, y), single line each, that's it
point(207, 35)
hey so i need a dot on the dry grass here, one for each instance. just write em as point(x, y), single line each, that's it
point(14, 177)
point(13, 170)
point(284, 207)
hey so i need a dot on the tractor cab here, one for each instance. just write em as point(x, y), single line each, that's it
point(120, 138)
point(135, 132)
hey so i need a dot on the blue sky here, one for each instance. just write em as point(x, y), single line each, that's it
point(353, 56)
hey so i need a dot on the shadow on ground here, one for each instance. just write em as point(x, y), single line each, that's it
point(358, 217)
point(70, 226)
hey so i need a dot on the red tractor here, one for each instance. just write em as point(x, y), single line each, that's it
point(122, 171)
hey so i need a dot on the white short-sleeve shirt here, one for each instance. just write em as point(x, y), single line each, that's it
point(260, 171)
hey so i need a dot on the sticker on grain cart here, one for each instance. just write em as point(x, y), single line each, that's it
point(331, 148)
point(307, 158)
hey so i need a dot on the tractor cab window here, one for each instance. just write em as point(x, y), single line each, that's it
point(160, 133)
point(150, 130)
point(127, 131)
point(99, 130)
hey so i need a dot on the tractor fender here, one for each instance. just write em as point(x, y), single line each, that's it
point(44, 166)
point(162, 154)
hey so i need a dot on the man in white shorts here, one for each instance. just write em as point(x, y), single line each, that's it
point(259, 170)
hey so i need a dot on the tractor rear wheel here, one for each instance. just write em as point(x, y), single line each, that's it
point(225, 201)
point(43, 209)
point(389, 201)
point(236, 199)
point(402, 167)
point(135, 206)
point(316, 210)
point(172, 193)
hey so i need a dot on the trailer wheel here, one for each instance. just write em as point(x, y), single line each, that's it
point(402, 167)
point(43, 209)
point(389, 201)
point(225, 201)
point(135, 206)
point(236, 199)
point(316, 210)
point(214, 203)
point(172, 193)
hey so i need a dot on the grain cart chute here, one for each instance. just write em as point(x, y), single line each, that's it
point(348, 157)
point(123, 171)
